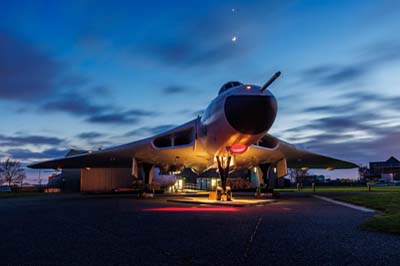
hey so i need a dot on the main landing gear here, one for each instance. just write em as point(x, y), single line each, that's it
point(148, 191)
point(223, 169)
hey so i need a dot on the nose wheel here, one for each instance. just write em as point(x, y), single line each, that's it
point(223, 169)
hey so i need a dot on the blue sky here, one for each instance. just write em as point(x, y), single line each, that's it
point(89, 74)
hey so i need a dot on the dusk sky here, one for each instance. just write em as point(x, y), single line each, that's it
point(90, 74)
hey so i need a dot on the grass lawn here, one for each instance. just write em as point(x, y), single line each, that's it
point(384, 199)
point(387, 202)
point(343, 189)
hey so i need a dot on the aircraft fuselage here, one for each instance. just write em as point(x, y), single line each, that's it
point(239, 116)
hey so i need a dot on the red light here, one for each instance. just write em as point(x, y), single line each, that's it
point(238, 148)
point(187, 209)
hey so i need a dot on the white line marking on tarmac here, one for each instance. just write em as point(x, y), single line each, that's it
point(255, 229)
point(352, 206)
point(250, 241)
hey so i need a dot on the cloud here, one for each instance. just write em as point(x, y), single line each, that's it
point(372, 57)
point(331, 109)
point(149, 131)
point(362, 129)
point(101, 90)
point(26, 72)
point(336, 124)
point(334, 74)
point(356, 149)
point(340, 123)
point(363, 97)
point(90, 135)
point(204, 41)
point(75, 104)
point(382, 52)
point(160, 129)
point(344, 74)
point(173, 90)
point(26, 154)
point(73, 81)
point(359, 136)
point(29, 139)
point(191, 53)
point(132, 117)
point(79, 105)
point(113, 119)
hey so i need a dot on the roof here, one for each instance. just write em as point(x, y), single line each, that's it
point(392, 160)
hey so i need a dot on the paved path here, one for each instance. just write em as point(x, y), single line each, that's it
point(107, 230)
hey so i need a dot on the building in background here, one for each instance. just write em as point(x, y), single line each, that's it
point(69, 179)
point(91, 180)
point(386, 171)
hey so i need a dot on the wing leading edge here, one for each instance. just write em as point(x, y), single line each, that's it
point(268, 150)
point(272, 150)
point(161, 149)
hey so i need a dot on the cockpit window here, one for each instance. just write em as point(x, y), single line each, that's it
point(229, 85)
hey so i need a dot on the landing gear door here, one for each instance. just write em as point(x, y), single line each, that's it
point(281, 168)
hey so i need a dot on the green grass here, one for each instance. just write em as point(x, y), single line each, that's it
point(384, 199)
point(343, 189)
point(387, 202)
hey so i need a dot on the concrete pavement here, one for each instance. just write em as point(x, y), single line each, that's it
point(122, 230)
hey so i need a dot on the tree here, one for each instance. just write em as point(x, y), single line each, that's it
point(12, 172)
point(1, 176)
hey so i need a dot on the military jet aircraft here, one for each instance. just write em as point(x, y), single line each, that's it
point(232, 134)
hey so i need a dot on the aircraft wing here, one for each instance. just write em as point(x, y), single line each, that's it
point(120, 156)
point(169, 148)
point(272, 150)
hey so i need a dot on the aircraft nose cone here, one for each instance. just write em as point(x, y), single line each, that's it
point(251, 114)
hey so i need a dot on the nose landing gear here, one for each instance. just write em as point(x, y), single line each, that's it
point(223, 169)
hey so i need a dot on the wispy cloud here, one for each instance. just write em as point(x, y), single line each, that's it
point(149, 131)
point(371, 57)
point(32, 74)
point(75, 104)
point(27, 154)
point(36, 140)
point(27, 74)
point(174, 90)
point(120, 117)
point(81, 106)
point(90, 135)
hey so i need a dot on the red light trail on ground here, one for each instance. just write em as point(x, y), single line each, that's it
point(188, 209)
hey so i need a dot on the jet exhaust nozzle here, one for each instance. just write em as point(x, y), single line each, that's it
point(269, 82)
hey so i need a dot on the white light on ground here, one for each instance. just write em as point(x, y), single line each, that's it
point(234, 38)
